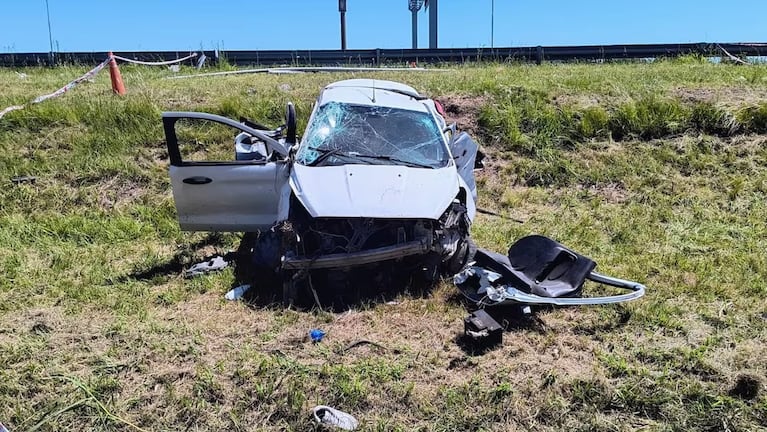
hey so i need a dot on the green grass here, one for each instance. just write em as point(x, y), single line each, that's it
point(657, 171)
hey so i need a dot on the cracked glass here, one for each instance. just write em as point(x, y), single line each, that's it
point(344, 133)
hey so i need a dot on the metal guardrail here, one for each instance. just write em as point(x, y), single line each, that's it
point(537, 54)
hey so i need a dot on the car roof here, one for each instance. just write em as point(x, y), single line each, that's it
point(372, 92)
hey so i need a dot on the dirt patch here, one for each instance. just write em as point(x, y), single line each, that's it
point(747, 386)
point(118, 192)
point(411, 330)
point(728, 96)
point(583, 101)
point(464, 111)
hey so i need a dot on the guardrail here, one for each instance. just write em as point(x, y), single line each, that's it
point(537, 54)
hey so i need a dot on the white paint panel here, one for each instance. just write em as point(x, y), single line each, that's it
point(238, 198)
point(376, 191)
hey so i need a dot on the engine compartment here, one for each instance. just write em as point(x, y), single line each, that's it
point(345, 259)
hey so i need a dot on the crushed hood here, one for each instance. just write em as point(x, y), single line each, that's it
point(375, 191)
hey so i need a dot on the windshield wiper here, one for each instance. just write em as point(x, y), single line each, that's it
point(334, 152)
point(325, 154)
point(395, 160)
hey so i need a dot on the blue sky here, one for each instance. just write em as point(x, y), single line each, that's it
point(101, 25)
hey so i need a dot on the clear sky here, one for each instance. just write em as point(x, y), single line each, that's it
point(102, 25)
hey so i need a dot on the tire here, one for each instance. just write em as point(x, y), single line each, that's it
point(461, 258)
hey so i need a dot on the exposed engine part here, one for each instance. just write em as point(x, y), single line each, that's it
point(454, 228)
point(355, 254)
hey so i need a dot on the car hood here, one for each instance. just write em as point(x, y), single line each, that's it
point(374, 191)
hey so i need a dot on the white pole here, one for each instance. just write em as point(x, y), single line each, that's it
point(50, 35)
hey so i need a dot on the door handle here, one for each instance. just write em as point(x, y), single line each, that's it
point(197, 180)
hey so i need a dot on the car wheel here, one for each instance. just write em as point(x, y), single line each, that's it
point(463, 255)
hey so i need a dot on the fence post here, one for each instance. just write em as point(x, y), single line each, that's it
point(538, 55)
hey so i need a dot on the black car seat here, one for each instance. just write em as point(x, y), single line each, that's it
point(539, 265)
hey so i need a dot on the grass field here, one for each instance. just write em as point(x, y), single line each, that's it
point(656, 171)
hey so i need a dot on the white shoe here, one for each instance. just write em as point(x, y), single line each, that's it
point(331, 416)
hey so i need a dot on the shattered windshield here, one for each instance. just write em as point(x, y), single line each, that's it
point(344, 133)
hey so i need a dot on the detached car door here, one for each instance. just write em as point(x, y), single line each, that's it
point(465, 153)
point(212, 190)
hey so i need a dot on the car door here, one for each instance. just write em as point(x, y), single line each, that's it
point(212, 190)
point(465, 152)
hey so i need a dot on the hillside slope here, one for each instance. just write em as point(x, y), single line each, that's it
point(656, 171)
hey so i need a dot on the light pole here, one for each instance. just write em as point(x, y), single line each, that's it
point(342, 11)
point(50, 35)
point(414, 6)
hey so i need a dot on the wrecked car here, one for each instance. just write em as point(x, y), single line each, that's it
point(377, 186)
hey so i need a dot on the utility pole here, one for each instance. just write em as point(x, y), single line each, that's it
point(432, 24)
point(50, 34)
point(342, 11)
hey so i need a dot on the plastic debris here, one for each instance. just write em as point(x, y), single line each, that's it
point(485, 278)
point(201, 61)
point(316, 335)
point(214, 264)
point(23, 179)
point(236, 293)
point(3, 428)
point(333, 417)
point(174, 68)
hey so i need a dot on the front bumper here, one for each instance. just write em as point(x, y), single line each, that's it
point(416, 247)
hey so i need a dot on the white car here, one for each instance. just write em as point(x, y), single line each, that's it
point(377, 185)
